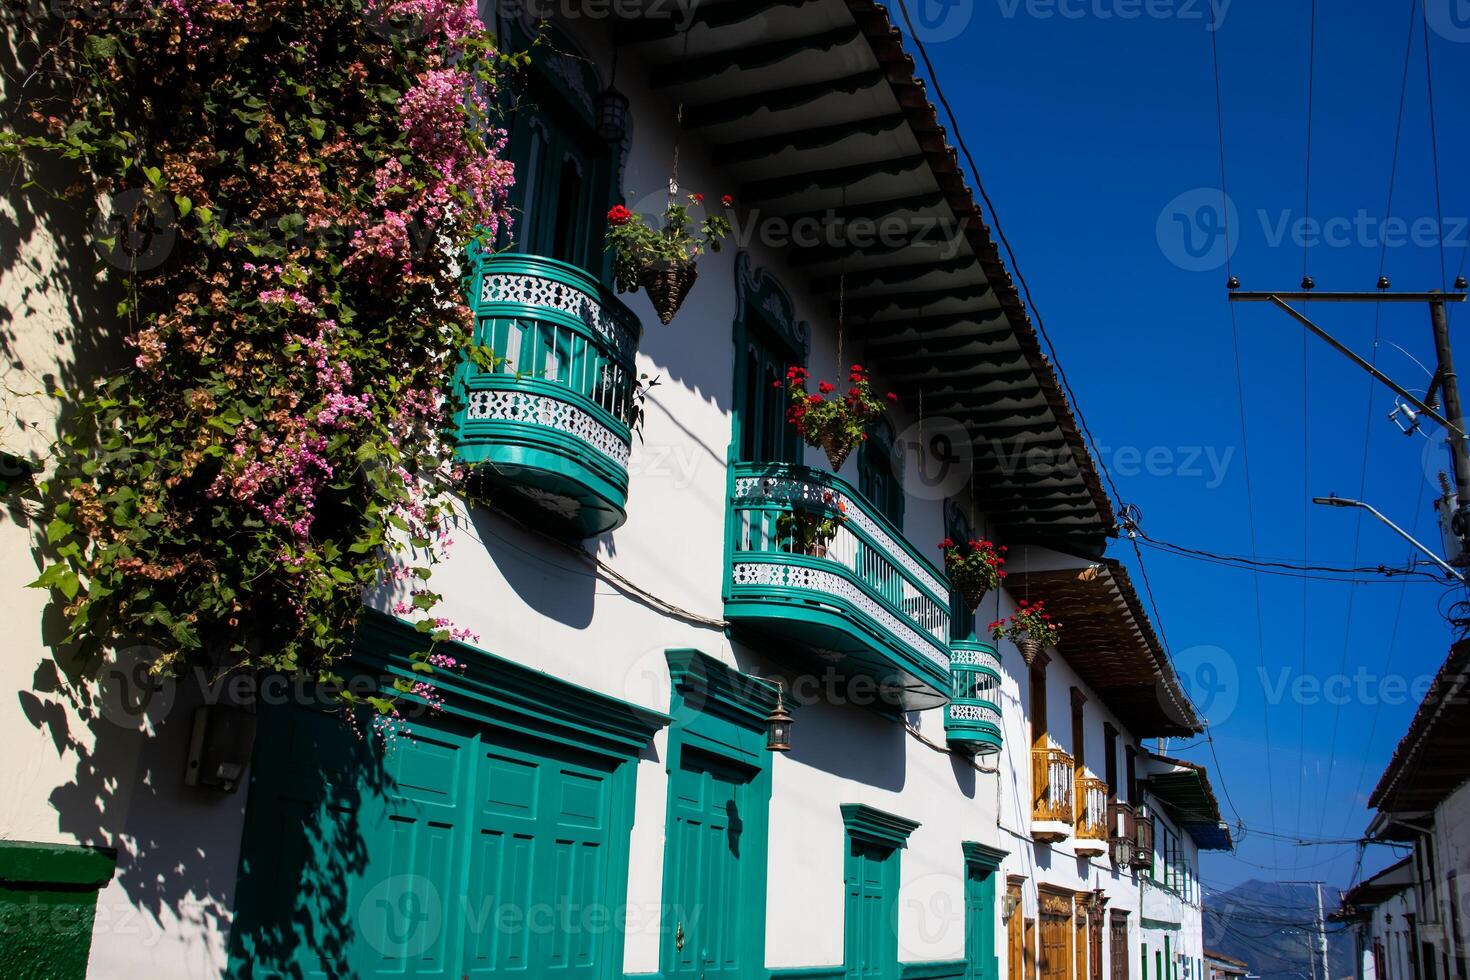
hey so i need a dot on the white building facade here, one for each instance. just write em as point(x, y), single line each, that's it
point(1423, 800)
point(597, 798)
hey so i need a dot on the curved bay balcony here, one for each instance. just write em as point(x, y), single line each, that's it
point(1052, 777)
point(972, 720)
point(549, 421)
point(866, 603)
point(1092, 817)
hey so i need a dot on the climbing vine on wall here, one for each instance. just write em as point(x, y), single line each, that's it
point(287, 189)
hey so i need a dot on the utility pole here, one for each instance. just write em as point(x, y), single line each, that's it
point(1322, 934)
point(1445, 380)
point(1321, 950)
point(1450, 385)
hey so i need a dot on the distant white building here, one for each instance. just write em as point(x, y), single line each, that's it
point(1423, 799)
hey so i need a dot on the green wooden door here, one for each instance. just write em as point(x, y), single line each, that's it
point(706, 848)
point(980, 957)
point(451, 853)
point(870, 946)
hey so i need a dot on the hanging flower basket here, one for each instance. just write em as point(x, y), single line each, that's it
point(974, 568)
point(835, 424)
point(667, 285)
point(1030, 629)
point(837, 451)
point(662, 260)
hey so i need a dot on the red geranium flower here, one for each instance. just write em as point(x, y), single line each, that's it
point(727, 201)
point(892, 397)
point(826, 387)
point(619, 215)
point(697, 198)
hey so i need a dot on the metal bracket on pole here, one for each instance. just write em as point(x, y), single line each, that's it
point(1275, 298)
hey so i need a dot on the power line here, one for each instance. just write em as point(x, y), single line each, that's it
point(1292, 568)
point(1250, 504)
point(1035, 310)
point(1306, 417)
point(1387, 662)
point(1434, 146)
point(1368, 421)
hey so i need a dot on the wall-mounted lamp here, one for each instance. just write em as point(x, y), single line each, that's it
point(612, 115)
point(1009, 904)
point(219, 748)
point(778, 724)
point(612, 109)
point(1120, 849)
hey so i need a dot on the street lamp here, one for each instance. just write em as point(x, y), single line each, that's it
point(1336, 501)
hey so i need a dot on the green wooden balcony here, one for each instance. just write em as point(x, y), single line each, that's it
point(972, 720)
point(868, 604)
point(548, 426)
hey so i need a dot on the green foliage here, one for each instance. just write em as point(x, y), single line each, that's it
point(635, 244)
point(289, 187)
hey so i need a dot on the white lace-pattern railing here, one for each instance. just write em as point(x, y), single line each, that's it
point(550, 294)
point(882, 577)
point(519, 406)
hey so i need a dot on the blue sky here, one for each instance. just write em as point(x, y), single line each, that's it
point(1095, 135)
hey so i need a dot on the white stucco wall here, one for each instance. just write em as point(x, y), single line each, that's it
point(1452, 855)
point(166, 915)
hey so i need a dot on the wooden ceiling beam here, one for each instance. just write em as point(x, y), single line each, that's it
point(750, 57)
point(811, 138)
point(778, 99)
point(770, 188)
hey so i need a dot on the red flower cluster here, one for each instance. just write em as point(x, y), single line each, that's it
point(984, 552)
point(619, 215)
point(727, 201)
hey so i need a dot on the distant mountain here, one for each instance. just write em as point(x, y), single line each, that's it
point(1272, 926)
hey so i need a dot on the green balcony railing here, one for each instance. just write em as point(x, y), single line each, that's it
point(550, 422)
point(972, 720)
point(867, 602)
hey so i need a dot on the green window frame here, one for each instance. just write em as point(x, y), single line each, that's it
point(962, 619)
point(768, 340)
point(566, 177)
point(870, 871)
point(719, 714)
point(880, 472)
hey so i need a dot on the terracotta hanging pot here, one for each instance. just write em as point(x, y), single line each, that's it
point(668, 283)
point(1029, 648)
point(837, 452)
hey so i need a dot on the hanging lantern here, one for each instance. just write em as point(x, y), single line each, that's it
point(612, 115)
point(778, 725)
point(1120, 849)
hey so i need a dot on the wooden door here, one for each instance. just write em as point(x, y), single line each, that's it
point(980, 924)
point(1056, 947)
point(705, 851)
point(870, 941)
point(457, 853)
point(1118, 941)
point(1015, 944)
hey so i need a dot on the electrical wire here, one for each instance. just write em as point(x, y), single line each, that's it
point(1306, 419)
point(1434, 145)
point(1250, 505)
point(1293, 568)
point(1387, 662)
point(1372, 387)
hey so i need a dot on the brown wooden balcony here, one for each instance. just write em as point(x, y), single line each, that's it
point(1052, 777)
point(1092, 816)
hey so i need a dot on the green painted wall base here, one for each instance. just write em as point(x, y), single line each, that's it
point(48, 901)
